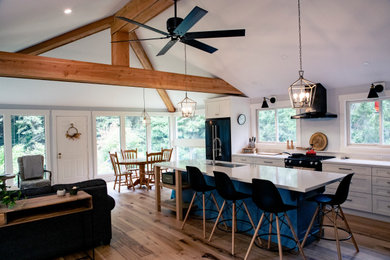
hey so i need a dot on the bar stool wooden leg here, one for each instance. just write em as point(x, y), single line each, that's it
point(269, 231)
point(188, 211)
point(254, 236)
point(216, 221)
point(250, 219)
point(336, 233)
point(204, 216)
point(294, 235)
point(216, 205)
point(279, 241)
point(233, 224)
point(310, 226)
point(349, 229)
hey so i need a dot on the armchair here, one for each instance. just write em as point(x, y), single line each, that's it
point(31, 172)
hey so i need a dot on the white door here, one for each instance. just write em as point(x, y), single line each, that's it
point(72, 153)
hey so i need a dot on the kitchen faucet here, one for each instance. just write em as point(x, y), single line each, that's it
point(217, 147)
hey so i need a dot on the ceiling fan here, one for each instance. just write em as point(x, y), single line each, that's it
point(178, 31)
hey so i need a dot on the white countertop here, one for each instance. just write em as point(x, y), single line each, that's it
point(259, 155)
point(285, 178)
point(357, 162)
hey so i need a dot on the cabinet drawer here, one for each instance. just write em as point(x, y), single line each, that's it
point(381, 181)
point(358, 201)
point(359, 183)
point(358, 170)
point(270, 162)
point(243, 159)
point(379, 190)
point(382, 172)
point(381, 205)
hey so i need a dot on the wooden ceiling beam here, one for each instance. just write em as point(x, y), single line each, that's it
point(140, 11)
point(69, 37)
point(144, 59)
point(18, 65)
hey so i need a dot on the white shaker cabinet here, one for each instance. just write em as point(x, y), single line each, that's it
point(381, 190)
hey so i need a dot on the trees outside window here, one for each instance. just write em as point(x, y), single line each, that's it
point(28, 137)
point(135, 134)
point(160, 133)
point(107, 140)
point(369, 122)
point(190, 138)
point(276, 125)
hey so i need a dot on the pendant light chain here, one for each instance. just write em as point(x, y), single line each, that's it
point(144, 98)
point(300, 38)
point(185, 67)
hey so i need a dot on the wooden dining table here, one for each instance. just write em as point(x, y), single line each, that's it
point(140, 162)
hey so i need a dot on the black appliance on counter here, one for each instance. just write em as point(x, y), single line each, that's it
point(218, 129)
point(302, 161)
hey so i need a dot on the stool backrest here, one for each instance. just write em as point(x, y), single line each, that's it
point(224, 186)
point(197, 180)
point(266, 196)
point(342, 190)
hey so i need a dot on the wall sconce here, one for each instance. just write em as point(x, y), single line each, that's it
point(265, 104)
point(374, 90)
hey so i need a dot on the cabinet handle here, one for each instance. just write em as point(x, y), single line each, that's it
point(267, 162)
point(345, 169)
point(348, 200)
point(388, 182)
point(388, 206)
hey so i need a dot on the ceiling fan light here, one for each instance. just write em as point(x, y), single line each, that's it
point(372, 93)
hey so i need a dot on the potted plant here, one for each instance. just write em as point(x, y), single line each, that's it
point(8, 198)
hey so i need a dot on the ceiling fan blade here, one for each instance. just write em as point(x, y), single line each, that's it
point(190, 20)
point(214, 34)
point(200, 45)
point(141, 25)
point(167, 47)
point(141, 40)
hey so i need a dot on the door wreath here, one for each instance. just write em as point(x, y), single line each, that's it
point(72, 132)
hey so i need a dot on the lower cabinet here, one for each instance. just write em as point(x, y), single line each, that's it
point(360, 191)
point(258, 160)
point(381, 191)
point(381, 205)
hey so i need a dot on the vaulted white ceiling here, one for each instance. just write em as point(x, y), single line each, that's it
point(345, 44)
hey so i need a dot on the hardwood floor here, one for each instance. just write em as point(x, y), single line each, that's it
point(139, 232)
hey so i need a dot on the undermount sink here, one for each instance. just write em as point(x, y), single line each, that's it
point(229, 165)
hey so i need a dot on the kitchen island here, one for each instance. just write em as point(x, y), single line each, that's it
point(294, 185)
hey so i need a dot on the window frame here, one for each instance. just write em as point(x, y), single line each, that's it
point(345, 145)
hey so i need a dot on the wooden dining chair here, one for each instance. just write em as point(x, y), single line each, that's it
point(131, 154)
point(118, 173)
point(166, 157)
point(151, 159)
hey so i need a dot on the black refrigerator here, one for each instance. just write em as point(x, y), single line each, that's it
point(219, 128)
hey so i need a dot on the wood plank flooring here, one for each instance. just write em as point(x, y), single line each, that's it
point(139, 232)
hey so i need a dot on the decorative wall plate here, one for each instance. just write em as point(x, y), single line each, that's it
point(319, 141)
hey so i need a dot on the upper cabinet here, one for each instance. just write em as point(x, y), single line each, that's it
point(217, 108)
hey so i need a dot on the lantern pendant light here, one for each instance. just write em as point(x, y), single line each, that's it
point(302, 90)
point(145, 116)
point(187, 105)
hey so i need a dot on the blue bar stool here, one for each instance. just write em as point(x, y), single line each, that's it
point(267, 198)
point(226, 190)
point(334, 201)
point(198, 184)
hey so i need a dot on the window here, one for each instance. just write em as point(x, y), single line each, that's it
point(190, 128)
point(107, 140)
point(369, 122)
point(136, 134)
point(160, 132)
point(190, 138)
point(276, 125)
point(28, 137)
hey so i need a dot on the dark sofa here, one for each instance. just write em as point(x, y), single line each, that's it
point(59, 236)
